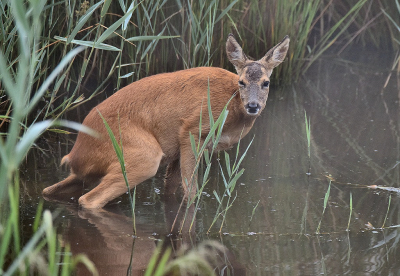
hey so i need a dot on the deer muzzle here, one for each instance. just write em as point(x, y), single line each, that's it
point(253, 108)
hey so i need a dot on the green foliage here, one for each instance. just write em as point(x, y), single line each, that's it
point(392, 19)
point(325, 204)
point(32, 256)
point(114, 48)
point(387, 212)
point(206, 259)
point(203, 150)
point(18, 77)
point(351, 211)
point(308, 134)
point(199, 30)
point(154, 268)
point(119, 150)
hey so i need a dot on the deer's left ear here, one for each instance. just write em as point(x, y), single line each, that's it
point(276, 55)
point(235, 53)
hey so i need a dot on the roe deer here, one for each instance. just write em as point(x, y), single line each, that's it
point(156, 114)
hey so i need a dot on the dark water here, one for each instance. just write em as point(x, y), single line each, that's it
point(271, 226)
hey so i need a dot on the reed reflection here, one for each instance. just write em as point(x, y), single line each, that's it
point(106, 237)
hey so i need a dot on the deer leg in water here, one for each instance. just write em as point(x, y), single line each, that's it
point(141, 163)
point(173, 178)
point(67, 186)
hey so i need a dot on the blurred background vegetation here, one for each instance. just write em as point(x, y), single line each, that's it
point(199, 29)
point(43, 74)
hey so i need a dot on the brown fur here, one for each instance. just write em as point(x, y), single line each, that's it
point(155, 116)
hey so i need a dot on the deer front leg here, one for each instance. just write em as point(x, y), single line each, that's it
point(172, 178)
point(188, 172)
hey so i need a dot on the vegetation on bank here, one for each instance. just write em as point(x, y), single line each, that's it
point(199, 28)
point(45, 72)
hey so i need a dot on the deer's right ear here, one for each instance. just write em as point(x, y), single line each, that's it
point(277, 54)
point(235, 53)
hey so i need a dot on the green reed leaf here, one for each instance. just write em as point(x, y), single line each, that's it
point(91, 44)
point(113, 27)
point(151, 37)
point(82, 21)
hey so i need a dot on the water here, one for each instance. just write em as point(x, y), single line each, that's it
point(271, 227)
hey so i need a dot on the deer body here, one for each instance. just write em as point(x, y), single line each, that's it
point(153, 118)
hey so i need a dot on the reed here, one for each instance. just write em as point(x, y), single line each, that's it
point(308, 133)
point(350, 212)
point(387, 212)
point(226, 199)
point(31, 257)
point(203, 151)
point(20, 73)
point(44, 78)
point(325, 204)
point(371, 27)
point(119, 150)
point(254, 210)
point(208, 258)
point(395, 24)
point(155, 268)
point(18, 77)
point(198, 28)
point(203, 25)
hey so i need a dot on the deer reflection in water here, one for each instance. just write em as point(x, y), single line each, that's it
point(106, 237)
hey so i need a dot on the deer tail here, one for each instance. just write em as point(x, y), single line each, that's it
point(65, 160)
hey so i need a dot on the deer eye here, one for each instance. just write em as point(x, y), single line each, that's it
point(265, 84)
point(241, 83)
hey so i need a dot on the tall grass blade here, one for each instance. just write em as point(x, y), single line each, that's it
point(19, 12)
point(325, 204)
point(254, 210)
point(161, 267)
point(37, 220)
point(82, 21)
point(131, 7)
point(387, 211)
point(243, 155)
point(113, 27)
point(233, 181)
point(105, 8)
point(43, 88)
point(153, 266)
point(151, 37)
point(332, 35)
point(29, 138)
point(308, 133)
point(304, 217)
point(225, 11)
point(118, 148)
point(7, 80)
point(193, 144)
point(391, 19)
point(351, 211)
point(122, 5)
point(228, 164)
point(91, 44)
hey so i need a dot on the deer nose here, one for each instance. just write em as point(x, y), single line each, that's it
point(253, 108)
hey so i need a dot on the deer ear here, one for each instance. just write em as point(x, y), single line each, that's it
point(235, 53)
point(276, 55)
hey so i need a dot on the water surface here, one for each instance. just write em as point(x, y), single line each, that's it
point(271, 228)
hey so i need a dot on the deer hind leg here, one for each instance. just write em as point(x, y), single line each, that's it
point(67, 186)
point(173, 178)
point(142, 159)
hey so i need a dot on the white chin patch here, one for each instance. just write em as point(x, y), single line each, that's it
point(252, 111)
